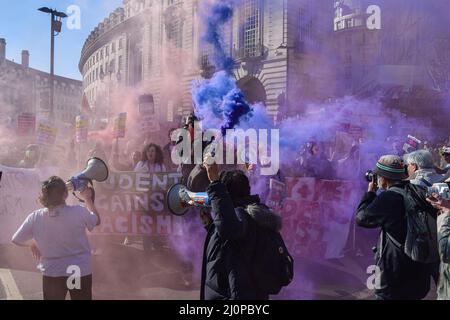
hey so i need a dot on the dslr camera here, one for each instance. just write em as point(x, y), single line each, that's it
point(441, 189)
point(371, 176)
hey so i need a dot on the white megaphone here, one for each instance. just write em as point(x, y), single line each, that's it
point(179, 199)
point(96, 170)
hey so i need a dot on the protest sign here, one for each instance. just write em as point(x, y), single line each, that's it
point(81, 128)
point(46, 134)
point(26, 123)
point(148, 122)
point(120, 123)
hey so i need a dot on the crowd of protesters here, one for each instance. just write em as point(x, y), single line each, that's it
point(401, 276)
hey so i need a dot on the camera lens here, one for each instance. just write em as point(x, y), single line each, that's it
point(369, 175)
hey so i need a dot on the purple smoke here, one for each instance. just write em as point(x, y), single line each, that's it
point(219, 97)
point(322, 121)
point(234, 109)
point(215, 17)
point(220, 103)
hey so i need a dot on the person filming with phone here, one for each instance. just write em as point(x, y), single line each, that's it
point(443, 230)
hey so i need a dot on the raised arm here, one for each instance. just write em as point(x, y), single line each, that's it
point(230, 223)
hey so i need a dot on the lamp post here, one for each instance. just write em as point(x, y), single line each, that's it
point(55, 29)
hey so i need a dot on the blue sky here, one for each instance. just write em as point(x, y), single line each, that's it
point(24, 27)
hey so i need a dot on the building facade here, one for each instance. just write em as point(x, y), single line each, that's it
point(156, 46)
point(27, 90)
point(404, 59)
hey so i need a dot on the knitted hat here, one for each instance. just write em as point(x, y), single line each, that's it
point(391, 167)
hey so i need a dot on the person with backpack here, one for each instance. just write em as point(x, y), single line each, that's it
point(244, 255)
point(421, 170)
point(407, 243)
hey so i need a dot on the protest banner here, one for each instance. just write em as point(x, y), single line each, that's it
point(317, 216)
point(134, 204)
point(19, 190)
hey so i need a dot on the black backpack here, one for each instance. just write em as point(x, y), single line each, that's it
point(421, 243)
point(272, 266)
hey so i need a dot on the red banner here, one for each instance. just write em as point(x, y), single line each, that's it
point(26, 123)
point(317, 216)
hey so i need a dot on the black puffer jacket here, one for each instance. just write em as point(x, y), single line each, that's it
point(229, 244)
point(401, 278)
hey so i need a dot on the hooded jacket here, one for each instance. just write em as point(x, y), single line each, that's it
point(426, 177)
point(229, 243)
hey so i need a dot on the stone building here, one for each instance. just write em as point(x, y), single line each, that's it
point(27, 90)
point(405, 60)
point(156, 47)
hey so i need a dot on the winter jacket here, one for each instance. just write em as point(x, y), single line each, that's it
point(426, 177)
point(229, 243)
point(400, 277)
point(443, 288)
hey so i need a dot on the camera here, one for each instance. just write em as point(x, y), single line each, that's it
point(371, 176)
point(441, 189)
point(444, 150)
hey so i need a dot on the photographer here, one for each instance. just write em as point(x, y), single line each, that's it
point(57, 237)
point(400, 277)
point(443, 222)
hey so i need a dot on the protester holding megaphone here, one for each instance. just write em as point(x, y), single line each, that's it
point(244, 256)
point(57, 237)
point(96, 170)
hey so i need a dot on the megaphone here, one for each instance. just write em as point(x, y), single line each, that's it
point(179, 199)
point(96, 170)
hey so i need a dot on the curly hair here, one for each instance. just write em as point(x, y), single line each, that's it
point(53, 192)
point(159, 157)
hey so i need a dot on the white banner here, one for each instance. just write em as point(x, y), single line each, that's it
point(19, 192)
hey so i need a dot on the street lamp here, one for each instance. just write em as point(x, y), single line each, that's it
point(55, 29)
